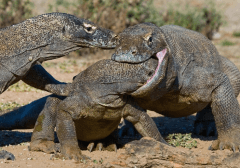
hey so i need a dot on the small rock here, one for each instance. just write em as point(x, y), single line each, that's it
point(6, 155)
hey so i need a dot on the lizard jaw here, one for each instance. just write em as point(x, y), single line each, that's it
point(157, 77)
point(160, 55)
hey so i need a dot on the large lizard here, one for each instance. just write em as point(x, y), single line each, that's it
point(94, 104)
point(170, 93)
point(206, 82)
point(24, 46)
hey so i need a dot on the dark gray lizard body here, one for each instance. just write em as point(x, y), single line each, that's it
point(24, 46)
point(41, 38)
point(205, 82)
point(100, 94)
point(96, 101)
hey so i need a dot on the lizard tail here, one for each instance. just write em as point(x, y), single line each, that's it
point(22, 117)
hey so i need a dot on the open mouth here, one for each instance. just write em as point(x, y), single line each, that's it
point(160, 55)
point(157, 76)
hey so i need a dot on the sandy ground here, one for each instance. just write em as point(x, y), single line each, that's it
point(17, 141)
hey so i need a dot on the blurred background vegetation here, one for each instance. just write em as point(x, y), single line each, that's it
point(14, 11)
point(119, 14)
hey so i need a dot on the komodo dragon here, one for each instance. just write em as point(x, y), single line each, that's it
point(206, 82)
point(169, 95)
point(92, 110)
point(24, 46)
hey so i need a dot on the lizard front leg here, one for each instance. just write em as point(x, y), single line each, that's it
point(39, 78)
point(43, 134)
point(67, 136)
point(226, 113)
point(143, 123)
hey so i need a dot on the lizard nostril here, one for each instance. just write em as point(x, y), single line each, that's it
point(134, 52)
point(114, 36)
point(150, 73)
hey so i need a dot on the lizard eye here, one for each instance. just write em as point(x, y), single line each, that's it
point(150, 41)
point(89, 28)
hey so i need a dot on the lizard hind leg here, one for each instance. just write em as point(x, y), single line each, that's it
point(226, 113)
point(66, 133)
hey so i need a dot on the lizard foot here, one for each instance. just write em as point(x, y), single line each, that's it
point(42, 145)
point(70, 152)
point(100, 147)
point(230, 141)
point(205, 128)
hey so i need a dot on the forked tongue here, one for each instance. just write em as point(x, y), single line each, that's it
point(156, 78)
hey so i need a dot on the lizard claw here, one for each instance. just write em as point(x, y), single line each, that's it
point(42, 145)
point(112, 147)
point(61, 156)
point(226, 142)
point(72, 152)
point(101, 147)
point(221, 146)
point(90, 146)
point(233, 147)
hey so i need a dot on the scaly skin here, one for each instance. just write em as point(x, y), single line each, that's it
point(206, 82)
point(106, 89)
point(98, 98)
point(94, 104)
point(41, 38)
point(24, 46)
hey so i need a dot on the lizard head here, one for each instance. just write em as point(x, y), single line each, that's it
point(87, 34)
point(138, 43)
